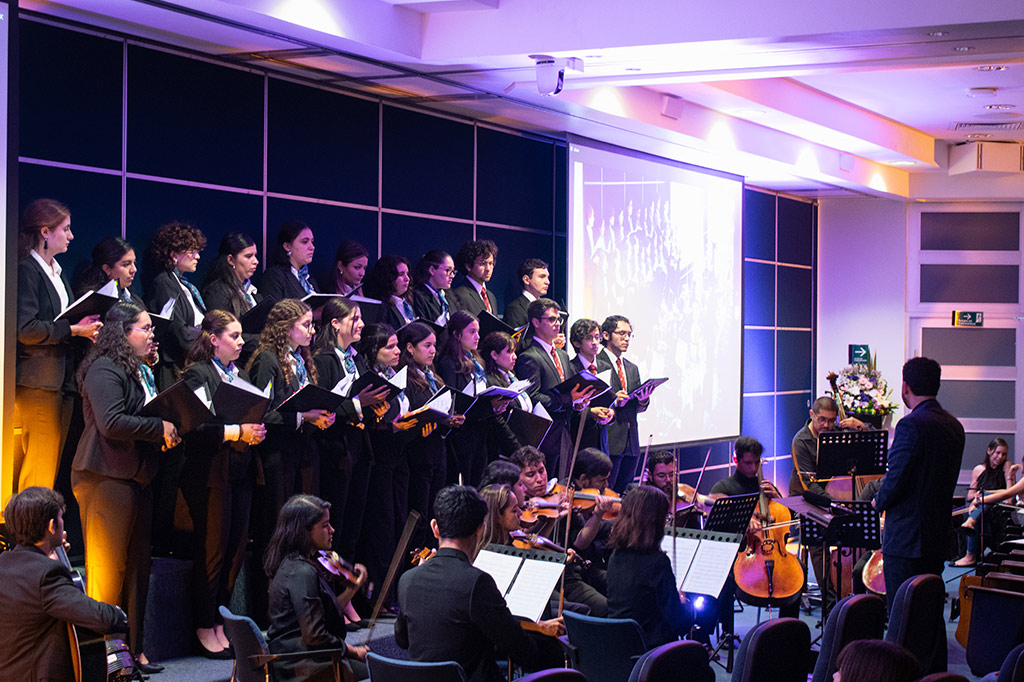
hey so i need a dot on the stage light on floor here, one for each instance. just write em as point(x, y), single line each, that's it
point(698, 604)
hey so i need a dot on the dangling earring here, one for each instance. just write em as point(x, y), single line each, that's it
point(45, 243)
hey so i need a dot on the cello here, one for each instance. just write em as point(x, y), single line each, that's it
point(766, 573)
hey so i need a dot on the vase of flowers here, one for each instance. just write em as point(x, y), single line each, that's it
point(865, 394)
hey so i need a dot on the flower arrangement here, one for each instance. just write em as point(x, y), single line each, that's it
point(864, 391)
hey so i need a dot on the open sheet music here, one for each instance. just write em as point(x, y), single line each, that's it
point(703, 559)
point(525, 578)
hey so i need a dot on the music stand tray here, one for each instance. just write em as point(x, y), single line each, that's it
point(732, 514)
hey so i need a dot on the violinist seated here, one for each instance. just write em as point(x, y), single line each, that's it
point(306, 613)
point(472, 623)
point(661, 473)
point(544, 504)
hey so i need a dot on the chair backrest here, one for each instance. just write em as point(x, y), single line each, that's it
point(683, 661)
point(554, 675)
point(1012, 669)
point(247, 640)
point(943, 677)
point(858, 616)
point(775, 650)
point(997, 626)
point(383, 669)
point(607, 648)
point(916, 621)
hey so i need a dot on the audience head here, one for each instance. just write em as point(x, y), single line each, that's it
point(379, 345)
point(236, 262)
point(875, 660)
point(341, 325)
point(176, 246)
point(436, 268)
point(592, 469)
point(995, 454)
point(498, 351)
point(43, 221)
point(747, 455)
point(641, 523)
point(476, 259)
point(585, 337)
point(544, 315)
point(303, 527)
point(616, 332)
point(389, 277)
point(112, 258)
point(295, 245)
point(350, 262)
point(922, 377)
point(220, 335)
point(459, 513)
point(533, 273)
point(35, 514)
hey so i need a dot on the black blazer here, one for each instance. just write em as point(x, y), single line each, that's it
point(917, 492)
point(207, 457)
point(594, 435)
point(641, 586)
point(38, 600)
point(466, 625)
point(465, 297)
point(426, 305)
point(344, 439)
point(180, 333)
point(109, 446)
point(623, 433)
point(515, 311)
point(537, 366)
point(264, 368)
point(218, 295)
point(279, 283)
point(389, 315)
point(44, 357)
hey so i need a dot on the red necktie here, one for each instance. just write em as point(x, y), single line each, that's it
point(483, 295)
point(622, 375)
point(558, 363)
point(592, 369)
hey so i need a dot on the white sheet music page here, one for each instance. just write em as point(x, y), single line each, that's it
point(685, 549)
point(532, 588)
point(501, 567)
point(711, 566)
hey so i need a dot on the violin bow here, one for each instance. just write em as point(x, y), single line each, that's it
point(400, 551)
point(570, 492)
point(643, 467)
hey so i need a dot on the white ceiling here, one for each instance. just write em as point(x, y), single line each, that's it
point(809, 97)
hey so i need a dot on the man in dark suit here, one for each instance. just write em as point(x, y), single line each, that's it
point(623, 437)
point(39, 599)
point(917, 493)
point(535, 278)
point(585, 337)
point(547, 366)
point(472, 619)
point(476, 259)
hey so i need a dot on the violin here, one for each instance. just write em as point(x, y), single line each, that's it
point(547, 507)
point(418, 557)
point(587, 499)
point(337, 568)
point(524, 540)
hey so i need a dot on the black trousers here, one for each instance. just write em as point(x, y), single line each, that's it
point(387, 507)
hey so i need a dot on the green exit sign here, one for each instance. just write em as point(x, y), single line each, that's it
point(964, 318)
point(859, 354)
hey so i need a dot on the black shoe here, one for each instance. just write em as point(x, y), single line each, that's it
point(149, 668)
point(352, 627)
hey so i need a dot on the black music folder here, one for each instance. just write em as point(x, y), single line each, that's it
point(311, 397)
point(583, 380)
point(255, 318)
point(435, 411)
point(395, 385)
point(239, 402)
point(529, 428)
point(179, 405)
point(96, 302)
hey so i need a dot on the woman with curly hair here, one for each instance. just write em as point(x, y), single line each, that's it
point(282, 356)
point(43, 395)
point(217, 481)
point(388, 282)
point(288, 275)
point(116, 460)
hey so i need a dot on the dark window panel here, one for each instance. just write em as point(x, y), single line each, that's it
point(70, 96)
point(427, 164)
point(515, 180)
point(793, 371)
point(513, 248)
point(981, 399)
point(758, 225)
point(795, 297)
point(561, 178)
point(791, 416)
point(758, 360)
point(796, 231)
point(330, 225)
point(758, 294)
point(987, 346)
point(969, 283)
point(977, 445)
point(192, 120)
point(970, 231)
point(321, 144)
point(759, 419)
point(412, 237)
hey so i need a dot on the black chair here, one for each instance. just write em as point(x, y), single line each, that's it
point(858, 616)
point(997, 626)
point(916, 621)
point(606, 649)
point(1012, 669)
point(943, 677)
point(774, 651)
point(554, 675)
point(681, 661)
point(383, 669)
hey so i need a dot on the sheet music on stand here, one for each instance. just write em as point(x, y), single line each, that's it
point(732, 514)
point(525, 577)
point(703, 559)
point(840, 452)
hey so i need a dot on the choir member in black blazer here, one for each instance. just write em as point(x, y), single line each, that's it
point(623, 434)
point(229, 283)
point(547, 366)
point(217, 481)
point(43, 396)
point(641, 585)
point(305, 610)
point(432, 279)
point(498, 350)
point(116, 460)
point(113, 258)
point(388, 282)
point(534, 275)
point(460, 365)
point(39, 599)
point(288, 275)
point(476, 259)
point(350, 263)
point(344, 448)
point(585, 337)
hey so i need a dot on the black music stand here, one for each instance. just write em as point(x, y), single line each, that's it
point(732, 514)
point(852, 453)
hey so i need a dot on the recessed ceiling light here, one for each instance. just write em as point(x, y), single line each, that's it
point(1001, 107)
point(978, 136)
point(963, 48)
point(990, 68)
point(632, 68)
point(903, 163)
point(982, 92)
point(938, 34)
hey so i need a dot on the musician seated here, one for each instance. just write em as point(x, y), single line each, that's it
point(988, 499)
point(472, 619)
point(661, 473)
point(641, 585)
point(747, 458)
point(994, 473)
point(503, 472)
point(534, 475)
point(39, 598)
point(306, 613)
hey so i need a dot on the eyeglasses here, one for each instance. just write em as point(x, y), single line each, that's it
point(447, 271)
point(552, 319)
point(623, 334)
point(148, 329)
point(592, 337)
